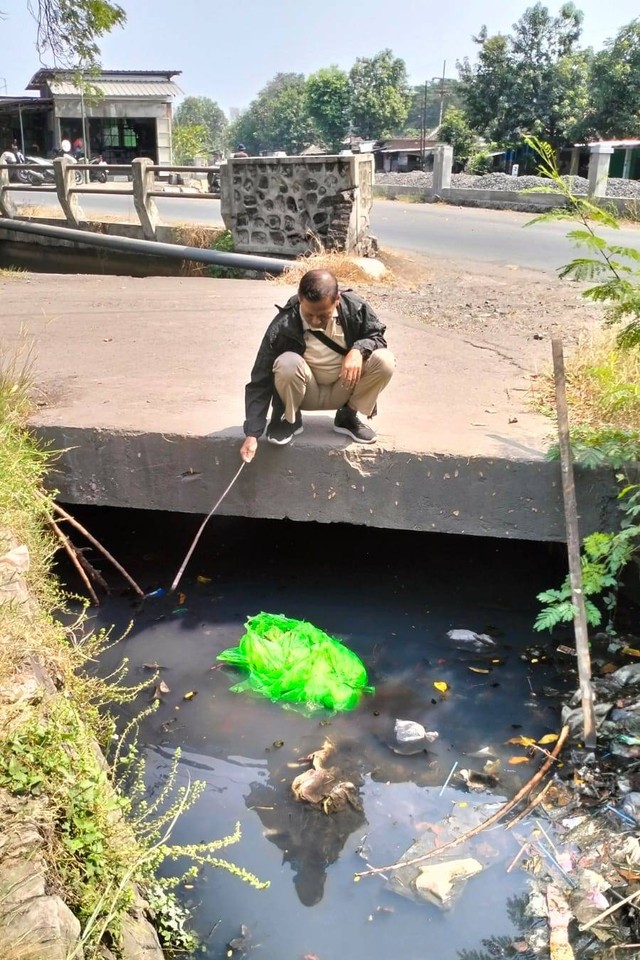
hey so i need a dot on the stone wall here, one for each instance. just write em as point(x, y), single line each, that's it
point(291, 205)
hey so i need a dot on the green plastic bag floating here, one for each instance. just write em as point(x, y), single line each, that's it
point(291, 661)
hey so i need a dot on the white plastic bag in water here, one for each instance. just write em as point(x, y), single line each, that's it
point(411, 737)
point(469, 639)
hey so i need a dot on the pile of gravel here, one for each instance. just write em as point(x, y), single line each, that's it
point(414, 179)
point(502, 181)
point(629, 189)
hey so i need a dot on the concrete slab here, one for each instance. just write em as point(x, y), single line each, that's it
point(140, 384)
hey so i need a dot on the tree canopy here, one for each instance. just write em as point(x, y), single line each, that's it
point(291, 113)
point(204, 113)
point(277, 119)
point(328, 100)
point(71, 29)
point(534, 81)
point(615, 86)
point(380, 94)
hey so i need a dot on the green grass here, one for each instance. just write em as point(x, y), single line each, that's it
point(603, 385)
point(101, 834)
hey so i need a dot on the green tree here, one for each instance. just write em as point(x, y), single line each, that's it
point(534, 81)
point(69, 30)
point(380, 95)
point(190, 141)
point(431, 115)
point(202, 112)
point(615, 86)
point(455, 130)
point(277, 119)
point(328, 99)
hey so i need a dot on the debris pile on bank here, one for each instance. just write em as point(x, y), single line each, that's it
point(574, 825)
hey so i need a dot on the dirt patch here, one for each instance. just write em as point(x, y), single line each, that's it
point(488, 300)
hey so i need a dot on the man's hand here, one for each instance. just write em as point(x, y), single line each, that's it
point(248, 449)
point(351, 369)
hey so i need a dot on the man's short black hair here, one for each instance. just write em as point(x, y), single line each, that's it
point(318, 285)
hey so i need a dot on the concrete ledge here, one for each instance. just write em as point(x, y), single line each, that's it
point(141, 383)
point(311, 480)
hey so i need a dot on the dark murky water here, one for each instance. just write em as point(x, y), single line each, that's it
point(391, 597)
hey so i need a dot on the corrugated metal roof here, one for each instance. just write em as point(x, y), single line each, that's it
point(120, 88)
point(50, 73)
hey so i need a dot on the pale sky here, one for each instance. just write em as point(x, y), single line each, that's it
point(228, 51)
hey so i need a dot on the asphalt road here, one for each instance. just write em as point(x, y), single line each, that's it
point(455, 233)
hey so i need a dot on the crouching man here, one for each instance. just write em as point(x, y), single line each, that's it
point(325, 350)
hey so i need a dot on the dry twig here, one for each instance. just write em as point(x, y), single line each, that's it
point(71, 550)
point(96, 543)
point(498, 815)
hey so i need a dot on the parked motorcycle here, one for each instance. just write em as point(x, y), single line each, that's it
point(213, 179)
point(44, 175)
point(101, 171)
point(11, 157)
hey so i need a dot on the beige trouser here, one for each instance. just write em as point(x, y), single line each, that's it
point(299, 390)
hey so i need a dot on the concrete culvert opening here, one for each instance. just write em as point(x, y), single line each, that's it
point(391, 597)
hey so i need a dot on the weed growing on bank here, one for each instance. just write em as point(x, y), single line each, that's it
point(103, 839)
point(603, 393)
point(603, 385)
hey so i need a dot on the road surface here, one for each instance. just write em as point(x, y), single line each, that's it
point(455, 233)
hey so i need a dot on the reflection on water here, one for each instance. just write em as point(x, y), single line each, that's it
point(391, 597)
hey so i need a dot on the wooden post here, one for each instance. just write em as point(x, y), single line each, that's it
point(573, 549)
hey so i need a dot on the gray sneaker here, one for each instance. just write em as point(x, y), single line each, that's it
point(347, 421)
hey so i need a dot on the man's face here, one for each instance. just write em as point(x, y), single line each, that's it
point(318, 313)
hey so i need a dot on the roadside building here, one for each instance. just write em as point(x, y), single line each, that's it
point(121, 114)
point(403, 154)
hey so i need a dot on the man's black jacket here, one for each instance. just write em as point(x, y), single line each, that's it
point(362, 330)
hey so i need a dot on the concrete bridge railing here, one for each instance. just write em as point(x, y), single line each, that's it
point(71, 181)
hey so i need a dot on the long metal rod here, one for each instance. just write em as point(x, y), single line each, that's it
point(573, 549)
point(151, 248)
point(178, 576)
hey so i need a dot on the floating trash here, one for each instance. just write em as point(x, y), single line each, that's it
point(295, 662)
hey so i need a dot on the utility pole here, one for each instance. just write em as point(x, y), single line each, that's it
point(423, 128)
point(444, 70)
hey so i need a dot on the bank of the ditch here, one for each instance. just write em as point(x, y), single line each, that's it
point(76, 856)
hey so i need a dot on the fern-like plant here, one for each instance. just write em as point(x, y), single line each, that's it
point(614, 269)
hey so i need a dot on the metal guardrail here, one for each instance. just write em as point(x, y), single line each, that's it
point(143, 188)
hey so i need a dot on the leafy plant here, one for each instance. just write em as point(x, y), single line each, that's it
point(606, 447)
point(224, 243)
point(604, 557)
point(614, 267)
point(617, 268)
point(479, 162)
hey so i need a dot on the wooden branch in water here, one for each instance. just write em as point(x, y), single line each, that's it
point(96, 543)
point(498, 815)
point(71, 550)
point(530, 806)
point(573, 549)
point(91, 571)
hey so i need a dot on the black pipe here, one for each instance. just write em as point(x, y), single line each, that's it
point(150, 248)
